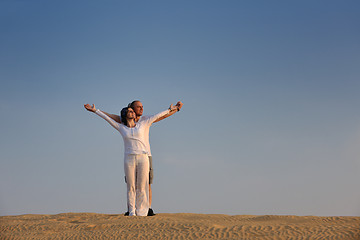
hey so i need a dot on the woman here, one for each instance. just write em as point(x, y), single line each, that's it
point(136, 161)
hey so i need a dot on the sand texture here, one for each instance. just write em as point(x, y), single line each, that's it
point(177, 226)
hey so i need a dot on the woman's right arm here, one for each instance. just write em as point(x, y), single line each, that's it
point(90, 108)
point(103, 115)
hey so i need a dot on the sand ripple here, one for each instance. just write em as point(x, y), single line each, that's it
point(177, 226)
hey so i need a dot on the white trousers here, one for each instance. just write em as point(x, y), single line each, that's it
point(136, 168)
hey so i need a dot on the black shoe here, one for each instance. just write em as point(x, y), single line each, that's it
point(126, 214)
point(151, 212)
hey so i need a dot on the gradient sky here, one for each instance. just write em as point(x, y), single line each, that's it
point(270, 122)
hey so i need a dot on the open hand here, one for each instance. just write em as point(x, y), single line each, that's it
point(179, 105)
point(90, 108)
point(172, 107)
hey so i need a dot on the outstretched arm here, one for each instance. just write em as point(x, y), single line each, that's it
point(93, 109)
point(178, 107)
point(113, 116)
point(102, 114)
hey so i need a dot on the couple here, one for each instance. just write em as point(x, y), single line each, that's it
point(134, 128)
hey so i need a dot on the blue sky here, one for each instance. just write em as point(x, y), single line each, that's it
point(270, 123)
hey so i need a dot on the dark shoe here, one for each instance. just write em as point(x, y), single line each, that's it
point(151, 212)
point(126, 214)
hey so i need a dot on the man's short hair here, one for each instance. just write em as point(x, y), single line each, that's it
point(131, 105)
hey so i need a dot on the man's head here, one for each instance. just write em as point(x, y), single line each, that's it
point(137, 107)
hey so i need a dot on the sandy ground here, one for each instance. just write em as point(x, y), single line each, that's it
point(177, 226)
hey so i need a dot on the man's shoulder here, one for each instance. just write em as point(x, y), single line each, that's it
point(144, 118)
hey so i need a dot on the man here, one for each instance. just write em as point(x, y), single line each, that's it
point(138, 109)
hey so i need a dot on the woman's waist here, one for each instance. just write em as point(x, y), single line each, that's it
point(138, 158)
point(136, 152)
point(135, 147)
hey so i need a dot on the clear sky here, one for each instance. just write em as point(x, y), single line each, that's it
point(270, 122)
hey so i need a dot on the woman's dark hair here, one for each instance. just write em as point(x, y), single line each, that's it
point(123, 115)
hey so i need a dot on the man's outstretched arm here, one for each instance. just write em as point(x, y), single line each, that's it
point(178, 105)
point(113, 117)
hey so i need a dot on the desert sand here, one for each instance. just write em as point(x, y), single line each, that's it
point(177, 226)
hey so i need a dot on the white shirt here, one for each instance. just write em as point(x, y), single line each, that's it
point(147, 133)
point(136, 139)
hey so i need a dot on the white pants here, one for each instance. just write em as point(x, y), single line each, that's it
point(136, 168)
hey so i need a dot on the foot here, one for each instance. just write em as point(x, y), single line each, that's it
point(126, 214)
point(151, 212)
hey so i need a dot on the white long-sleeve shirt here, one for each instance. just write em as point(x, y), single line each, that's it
point(147, 133)
point(136, 139)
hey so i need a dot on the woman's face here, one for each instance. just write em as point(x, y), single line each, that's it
point(130, 114)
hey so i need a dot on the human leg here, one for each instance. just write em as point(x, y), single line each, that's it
point(151, 176)
point(142, 183)
point(127, 211)
point(150, 195)
point(130, 168)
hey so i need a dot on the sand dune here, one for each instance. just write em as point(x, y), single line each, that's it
point(177, 226)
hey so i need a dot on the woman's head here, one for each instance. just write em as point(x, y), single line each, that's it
point(126, 114)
